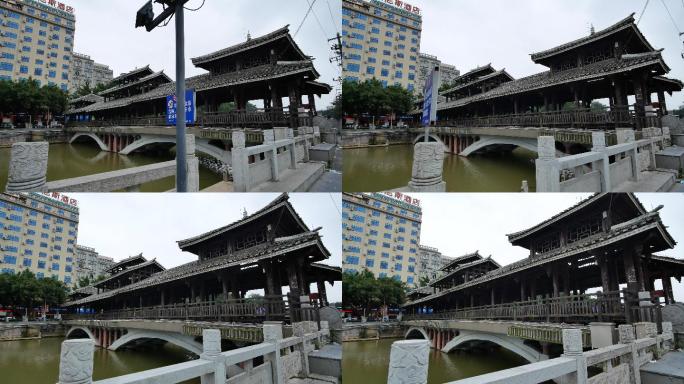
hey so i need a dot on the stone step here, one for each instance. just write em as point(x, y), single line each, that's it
point(326, 361)
point(669, 369)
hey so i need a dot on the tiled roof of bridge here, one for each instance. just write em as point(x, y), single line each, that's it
point(250, 255)
point(501, 72)
point(459, 259)
point(517, 235)
point(143, 80)
point(625, 23)
point(91, 98)
point(209, 81)
point(281, 201)
point(129, 270)
point(139, 258)
point(464, 267)
point(250, 44)
point(640, 224)
point(551, 78)
point(678, 84)
point(132, 73)
point(473, 71)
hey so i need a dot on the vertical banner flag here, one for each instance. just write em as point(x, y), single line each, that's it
point(172, 105)
point(427, 100)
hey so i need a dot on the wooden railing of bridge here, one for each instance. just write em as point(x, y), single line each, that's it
point(618, 306)
point(586, 118)
point(255, 310)
point(260, 118)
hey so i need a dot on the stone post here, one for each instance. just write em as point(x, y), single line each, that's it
point(76, 361)
point(325, 329)
point(273, 333)
point(547, 166)
point(317, 135)
point(645, 303)
point(668, 336)
point(626, 336)
point(598, 140)
point(240, 163)
point(211, 350)
point(292, 147)
point(192, 164)
point(409, 362)
point(625, 136)
point(572, 348)
point(667, 139)
point(601, 334)
point(272, 154)
point(428, 167)
point(28, 167)
point(299, 329)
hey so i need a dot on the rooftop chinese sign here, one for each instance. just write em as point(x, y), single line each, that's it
point(404, 5)
point(63, 198)
point(402, 197)
point(58, 5)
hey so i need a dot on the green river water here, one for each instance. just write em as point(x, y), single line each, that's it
point(73, 160)
point(37, 361)
point(367, 362)
point(384, 168)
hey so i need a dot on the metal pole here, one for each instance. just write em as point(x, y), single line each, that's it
point(181, 174)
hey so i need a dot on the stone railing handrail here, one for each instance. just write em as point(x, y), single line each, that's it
point(248, 175)
point(76, 362)
point(28, 172)
point(572, 365)
point(549, 167)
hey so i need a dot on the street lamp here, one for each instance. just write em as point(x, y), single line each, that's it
point(145, 18)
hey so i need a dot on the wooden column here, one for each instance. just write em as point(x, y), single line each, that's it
point(493, 296)
point(533, 288)
point(322, 293)
point(630, 271)
point(661, 102)
point(556, 283)
point(667, 288)
point(522, 290)
point(270, 280)
point(605, 273)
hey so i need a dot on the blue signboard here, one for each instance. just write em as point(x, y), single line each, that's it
point(427, 100)
point(172, 105)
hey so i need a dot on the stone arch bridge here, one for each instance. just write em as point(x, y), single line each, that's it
point(468, 141)
point(114, 334)
point(533, 342)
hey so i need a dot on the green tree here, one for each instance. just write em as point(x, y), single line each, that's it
point(371, 97)
point(362, 291)
point(423, 281)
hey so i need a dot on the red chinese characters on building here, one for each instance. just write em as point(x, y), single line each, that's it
point(403, 5)
point(58, 5)
point(63, 198)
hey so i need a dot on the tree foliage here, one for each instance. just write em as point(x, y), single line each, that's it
point(370, 97)
point(363, 291)
point(24, 289)
point(86, 89)
point(27, 96)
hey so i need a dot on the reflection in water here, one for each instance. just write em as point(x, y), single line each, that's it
point(37, 361)
point(368, 362)
point(82, 159)
point(383, 168)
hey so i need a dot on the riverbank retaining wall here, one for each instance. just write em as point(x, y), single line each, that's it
point(363, 139)
point(373, 331)
point(13, 332)
point(8, 138)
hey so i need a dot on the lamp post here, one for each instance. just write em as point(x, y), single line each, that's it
point(145, 18)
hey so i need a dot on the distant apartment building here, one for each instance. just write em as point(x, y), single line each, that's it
point(90, 264)
point(430, 262)
point(381, 40)
point(36, 41)
point(381, 233)
point(38, 232)
point(85, 70)
point(448, 73)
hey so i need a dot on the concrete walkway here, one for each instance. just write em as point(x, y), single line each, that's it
point(294, 180)
point(669, 369)
point(650, 181)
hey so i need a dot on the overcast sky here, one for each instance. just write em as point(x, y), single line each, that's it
point(105, 31)
point(468, 33)
point(123, 225)
point(458, 224)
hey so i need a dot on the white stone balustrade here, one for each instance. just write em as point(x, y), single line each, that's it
point(593, 171)
point(76, 363)
point(571, 367)
point(280, 151)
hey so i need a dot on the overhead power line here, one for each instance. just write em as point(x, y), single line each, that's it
point(305, 17)
point(671, 18)
point(642, 11)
